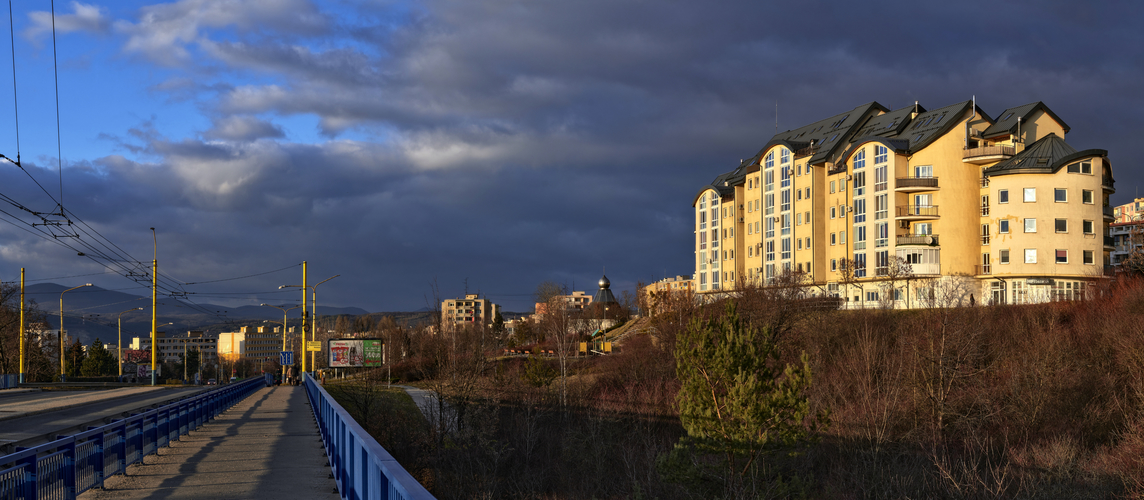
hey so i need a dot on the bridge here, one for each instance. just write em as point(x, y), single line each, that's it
point(244, 440)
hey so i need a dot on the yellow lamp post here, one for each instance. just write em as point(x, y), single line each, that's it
point(120, 343)
point(284, 311)
point(314, 318)
point(60, 333)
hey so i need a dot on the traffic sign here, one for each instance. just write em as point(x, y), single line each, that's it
point(286, 358)
point(314, 345)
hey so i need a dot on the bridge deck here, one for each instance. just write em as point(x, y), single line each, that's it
point(266, 446)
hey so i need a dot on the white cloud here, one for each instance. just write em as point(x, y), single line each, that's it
point(86, 18)
point(164, 32)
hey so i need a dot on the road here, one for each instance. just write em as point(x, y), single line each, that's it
point(32, 418)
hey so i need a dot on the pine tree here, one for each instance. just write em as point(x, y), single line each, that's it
point(735, 404)
point(99, 362)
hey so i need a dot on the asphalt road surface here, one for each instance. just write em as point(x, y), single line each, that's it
point(32, 418)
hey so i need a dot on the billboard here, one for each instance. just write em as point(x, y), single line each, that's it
point(352, 353)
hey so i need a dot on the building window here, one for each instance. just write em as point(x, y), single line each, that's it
point(1003, 256)
point(808, 248)
point(842, 237)
point(1060, 195)
point(1030, 195)
point(831, 187)
point(860, 159)
point(1088, 257)
point(1061, 225)
point(859, 183)
point(1030, 225)
point(833, 212)
point(833, 239)
point(1081, 168)
point(1030, 255)
point(1086, 196)
point(1088, 227)
point(881, 207)
point(859, 211)
point(1003, 226)
point(881, 154)
point(833, 265)
point(1003, 196)
point(1062, 256)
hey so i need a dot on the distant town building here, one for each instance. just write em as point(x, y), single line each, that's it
point(471, 310)
point(657, 296)
point(171, 349)
point(576, 301)
point(251, 343)
point(1129, 212)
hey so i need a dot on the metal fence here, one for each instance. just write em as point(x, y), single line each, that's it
point(361, 467)
point(9, 381)
point(70, 465)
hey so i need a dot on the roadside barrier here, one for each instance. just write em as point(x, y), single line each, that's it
point(70, 465)
point(361, 467)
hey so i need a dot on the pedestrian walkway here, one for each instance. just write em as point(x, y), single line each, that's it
point(266, 446)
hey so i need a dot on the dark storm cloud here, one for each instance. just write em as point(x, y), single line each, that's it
point(507, 143)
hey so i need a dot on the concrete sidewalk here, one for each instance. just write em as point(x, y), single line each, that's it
point(266, 446)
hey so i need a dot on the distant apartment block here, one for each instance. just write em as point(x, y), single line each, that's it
point(171, 348)
point(255, 343)
point(1129, 212)
point(1004, 201)
point(577, 301)
point(656, 296)
point(470, 310)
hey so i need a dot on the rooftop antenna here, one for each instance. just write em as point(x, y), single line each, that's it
point(776, 116)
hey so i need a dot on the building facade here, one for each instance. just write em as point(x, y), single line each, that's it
point(171, 348)
point(257, 343)
point(471, 310)
point(658, 296)
point(575, 301)
point(845, 203)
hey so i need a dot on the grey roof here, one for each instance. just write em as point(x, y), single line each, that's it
point(1049, 154)
point(1007, 120)
point(826, 135)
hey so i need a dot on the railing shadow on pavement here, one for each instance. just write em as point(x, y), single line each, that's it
point(361, 467)
point(70, 465)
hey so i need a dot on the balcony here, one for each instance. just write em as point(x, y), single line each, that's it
point(1108, 213)
point(926, 269)
point(882, 271)
point(917, 212)
point(983, 269)
point(1109, 242)
point(984, 182)
point(985, 239)
point(913, 184)
point(917, 239)
point(987, 154)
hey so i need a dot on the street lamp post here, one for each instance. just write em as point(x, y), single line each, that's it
point(60, 334)
point(120, 343)
point(314, 318)
point(284, 311)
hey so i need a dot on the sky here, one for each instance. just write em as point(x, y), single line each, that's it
point(425, 149)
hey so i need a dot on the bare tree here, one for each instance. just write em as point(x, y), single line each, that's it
point(849, 271)
point(898, 270)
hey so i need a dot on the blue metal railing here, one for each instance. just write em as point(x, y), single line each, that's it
point(361, 467)
point(70, 465)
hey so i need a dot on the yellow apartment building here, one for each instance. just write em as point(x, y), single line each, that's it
point(1005, 204)
point(472, 310)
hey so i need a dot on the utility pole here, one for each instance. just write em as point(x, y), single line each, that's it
point(154, 308)
point(304, 315)
point(22, 333)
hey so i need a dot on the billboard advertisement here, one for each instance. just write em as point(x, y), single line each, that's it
point(353, 353)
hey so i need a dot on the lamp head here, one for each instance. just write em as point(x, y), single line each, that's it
point(87, 284)
point(265, 304)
